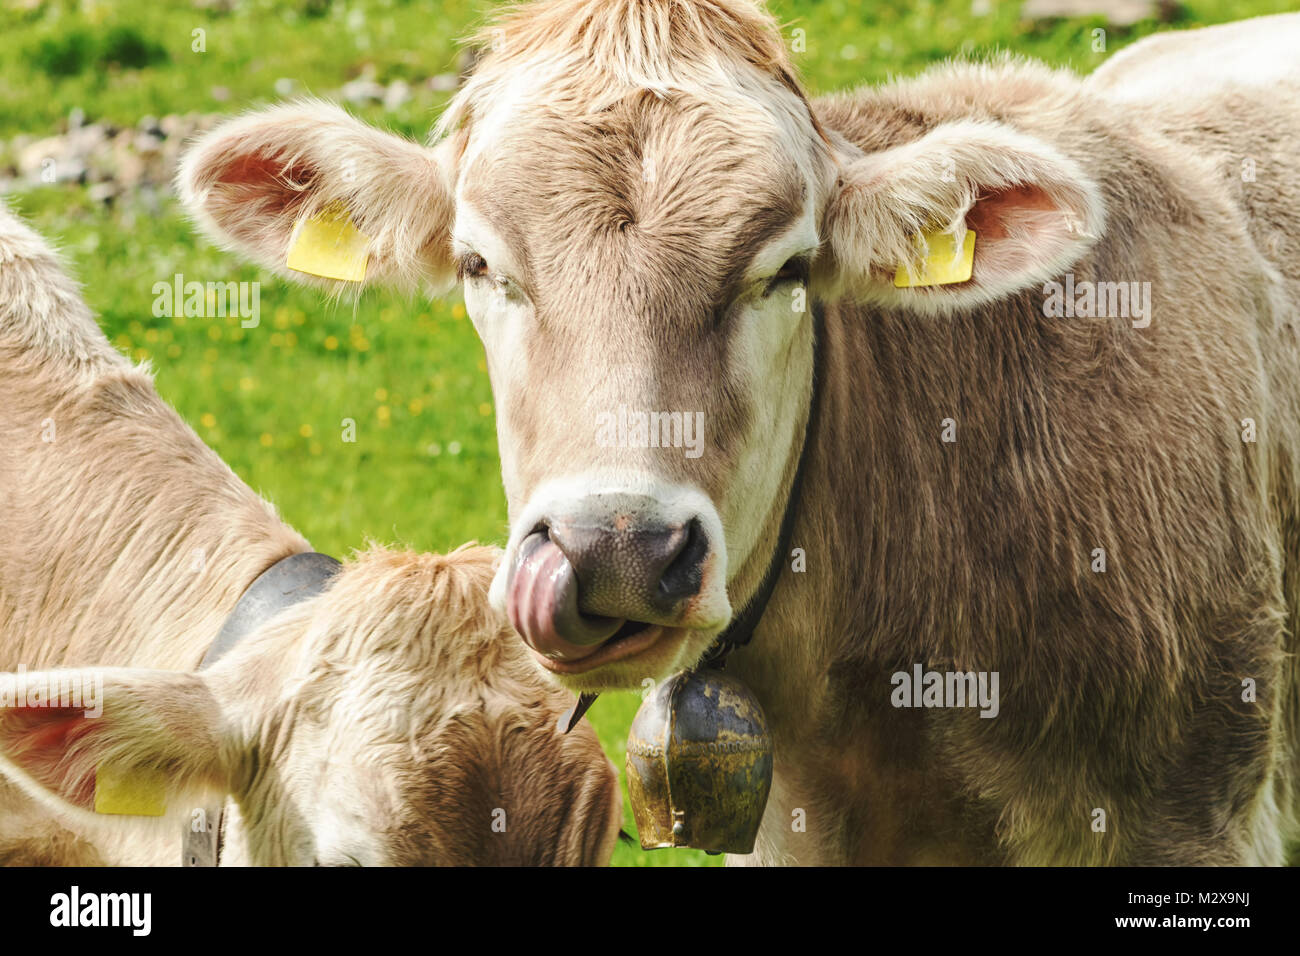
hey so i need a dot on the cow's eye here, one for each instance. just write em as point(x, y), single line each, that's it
point(794, 270)
point(471, 266)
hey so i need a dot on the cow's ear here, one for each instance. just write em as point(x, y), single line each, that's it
point(113, 740)
point(252, 180)
point(1032, 210)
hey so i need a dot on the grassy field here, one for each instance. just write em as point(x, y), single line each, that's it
point(423, 470)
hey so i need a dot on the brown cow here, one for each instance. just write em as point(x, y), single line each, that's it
point(1061, 478)
point(391, 719)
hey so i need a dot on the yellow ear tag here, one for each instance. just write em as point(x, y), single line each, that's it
point(141, 795)
point(943, 264)
point(329, 245)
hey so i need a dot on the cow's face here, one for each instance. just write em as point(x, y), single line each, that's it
point(393, 720)
point(639, 280)
point(638, 275)
point(412, 730)
point(638, 256)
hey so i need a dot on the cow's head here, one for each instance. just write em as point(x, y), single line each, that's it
point(640, 205)
point(393, 719)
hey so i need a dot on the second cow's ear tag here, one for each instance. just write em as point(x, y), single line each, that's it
point(944, 263)
point(141, 794)
point(329, 245)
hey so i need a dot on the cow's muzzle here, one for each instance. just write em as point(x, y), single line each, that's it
point(579, 583)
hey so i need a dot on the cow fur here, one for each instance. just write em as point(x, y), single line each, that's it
point(1124, 693)
point(391, 719)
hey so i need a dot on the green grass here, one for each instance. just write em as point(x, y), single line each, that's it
point(423, 470)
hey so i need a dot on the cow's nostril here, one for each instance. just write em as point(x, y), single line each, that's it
point(623, 566)
point(685, 572)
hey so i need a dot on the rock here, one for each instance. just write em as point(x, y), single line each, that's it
point(129, 170)
point(103, 192)
point(363, 90)
point(1117, 13)
point(33, 157)
point(140, 160)
point(83, 142)
point(397, 95)
point(145, 144)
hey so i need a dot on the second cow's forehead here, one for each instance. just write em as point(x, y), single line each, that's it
point(678, 188)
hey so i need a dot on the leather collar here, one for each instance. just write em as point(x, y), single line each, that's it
point(288, 582)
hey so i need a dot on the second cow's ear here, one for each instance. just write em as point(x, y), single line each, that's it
point(1033, 211)
point(251, 181)
point(114, 740)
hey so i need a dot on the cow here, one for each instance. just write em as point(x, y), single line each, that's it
point(1025, 341)
point(390, 719)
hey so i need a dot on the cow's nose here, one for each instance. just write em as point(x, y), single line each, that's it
point(640, 572)
point(607, 565)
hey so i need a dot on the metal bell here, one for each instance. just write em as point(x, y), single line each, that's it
point(699, 764)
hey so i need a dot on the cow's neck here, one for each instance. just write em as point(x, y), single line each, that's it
point(127, 541)
point(822, 658)
point(785, 660)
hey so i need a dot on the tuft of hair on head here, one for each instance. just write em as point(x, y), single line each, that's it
point(421, 606)
point(602, 50)
point(639, 36)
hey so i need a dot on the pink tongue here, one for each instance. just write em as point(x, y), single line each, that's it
point(542, 597)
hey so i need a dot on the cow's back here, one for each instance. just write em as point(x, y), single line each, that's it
point(1230, 96)
point(1189, 65)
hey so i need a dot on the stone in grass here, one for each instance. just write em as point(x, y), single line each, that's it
point(104, 192)
point(1116, 13)
point(396, 95)
point(363, 90)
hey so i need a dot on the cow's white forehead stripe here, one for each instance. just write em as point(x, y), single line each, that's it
point(509, 94)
